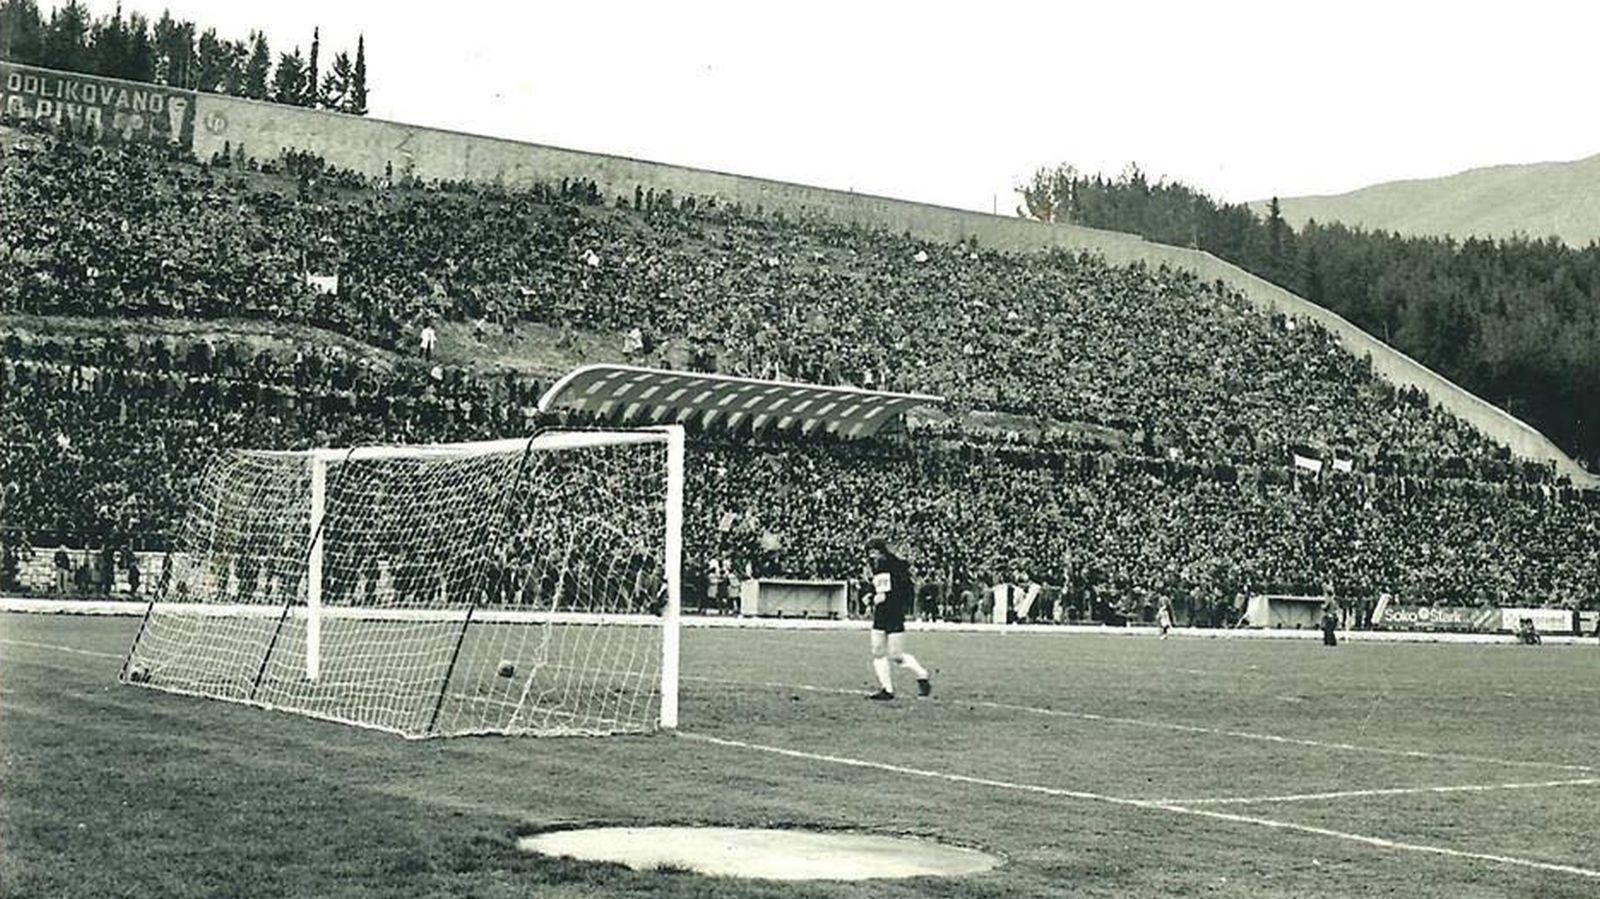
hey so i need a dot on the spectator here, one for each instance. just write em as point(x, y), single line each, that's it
point(63, 566)
point(429, 338)
point(106, 569)
point(130, 565)
point(10, 563)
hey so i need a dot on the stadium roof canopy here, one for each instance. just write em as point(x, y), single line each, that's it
point(630, 395)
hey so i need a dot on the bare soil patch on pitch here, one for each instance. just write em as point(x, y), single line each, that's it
point(762, 853)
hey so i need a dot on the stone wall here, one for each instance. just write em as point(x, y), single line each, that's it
point(37, 573)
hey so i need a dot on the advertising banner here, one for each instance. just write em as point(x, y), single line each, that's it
point(1402, 617)
point(1548, 621)
point(106, 108)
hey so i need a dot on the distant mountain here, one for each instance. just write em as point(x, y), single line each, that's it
point(1545, 199)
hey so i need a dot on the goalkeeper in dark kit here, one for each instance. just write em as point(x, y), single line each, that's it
point(892, 595)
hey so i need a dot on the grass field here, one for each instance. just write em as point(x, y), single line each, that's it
point(1096, 766)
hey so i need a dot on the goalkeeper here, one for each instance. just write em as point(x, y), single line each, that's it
point(891, 597)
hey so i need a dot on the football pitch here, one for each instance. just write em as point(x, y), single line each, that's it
point(1093, 765)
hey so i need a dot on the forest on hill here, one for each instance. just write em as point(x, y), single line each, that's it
point(1516, 321)
point(1543, 199)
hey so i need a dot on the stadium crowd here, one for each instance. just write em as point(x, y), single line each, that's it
point(1180, 366)
point(1188, 494)
point(1120, 531)
point(105, 437)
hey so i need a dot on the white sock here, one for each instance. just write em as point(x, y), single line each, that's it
point(910, 662)
point(881, 666)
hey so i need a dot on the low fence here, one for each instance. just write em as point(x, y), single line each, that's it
point(87, 572)
point(126, 608)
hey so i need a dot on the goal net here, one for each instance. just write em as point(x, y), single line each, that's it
point(524, 586)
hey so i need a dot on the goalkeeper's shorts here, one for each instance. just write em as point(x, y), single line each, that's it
point(889, 618)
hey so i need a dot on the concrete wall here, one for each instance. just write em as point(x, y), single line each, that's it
point(372, 145)
point(37, 573)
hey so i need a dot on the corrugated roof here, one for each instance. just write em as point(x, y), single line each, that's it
point(630, 394)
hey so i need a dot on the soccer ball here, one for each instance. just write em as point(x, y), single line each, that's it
point(506, 669)
point(138, 674)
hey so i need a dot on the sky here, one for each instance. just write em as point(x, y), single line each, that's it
point(958, 104)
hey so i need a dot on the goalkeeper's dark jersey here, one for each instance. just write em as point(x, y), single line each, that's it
point(891, 576)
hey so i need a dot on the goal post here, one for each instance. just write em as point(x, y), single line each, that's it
point(525, 586)
point(319, 502)
point(671, 630)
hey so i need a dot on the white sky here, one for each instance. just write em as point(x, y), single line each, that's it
point(955, 104)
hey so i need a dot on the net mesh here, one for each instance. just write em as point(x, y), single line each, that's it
point(503, 588)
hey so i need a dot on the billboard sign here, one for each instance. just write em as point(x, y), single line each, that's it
point(1549, 621)
point(1404, 617)
point(109, 109)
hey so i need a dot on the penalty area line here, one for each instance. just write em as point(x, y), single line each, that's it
point(1216, 731)
point(58, 648)
point(1387, 791)
point(1288, 741)
point(1152, 805)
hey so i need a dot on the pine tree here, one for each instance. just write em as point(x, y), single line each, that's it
point(312, 85)
point(108, 46)
point(140, 64)
point(356, 101)
point(161, 34)
point(1047, 196)
point(1273, 266)
point(289, 79)
point(336, 84)
point(235, 53)
point(211, 62)
point(1311, 266)
point(256, 69)
point(21, 32)
point(66, 39)
point(174, 44)
point(1275, 229)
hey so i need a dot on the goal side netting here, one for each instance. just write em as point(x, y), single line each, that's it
point(523, 586)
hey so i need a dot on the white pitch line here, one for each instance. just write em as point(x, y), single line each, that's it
point(1382, 843)
point(111, 655)
point(1378, 842)
point(1088, 716)
point(917, 772)
point(1293, 741)
point(1166, 806)
point(1215, 731)
point(1386, 791)
point(52, 646)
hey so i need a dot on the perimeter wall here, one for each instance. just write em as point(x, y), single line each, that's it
point(375, 147)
